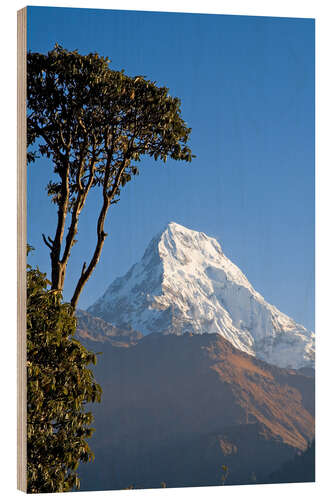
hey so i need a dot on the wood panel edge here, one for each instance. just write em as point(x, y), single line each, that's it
point(21, 249)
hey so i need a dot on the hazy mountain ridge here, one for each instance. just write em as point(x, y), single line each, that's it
point(176, 408)
point(184, 282)
point(91, 330)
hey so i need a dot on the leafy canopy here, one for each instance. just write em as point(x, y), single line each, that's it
point(78, 103)
point(95, 124)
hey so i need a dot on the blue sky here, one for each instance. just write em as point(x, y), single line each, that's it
point(247, 90)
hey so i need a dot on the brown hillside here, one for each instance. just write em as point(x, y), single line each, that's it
point(175, 409)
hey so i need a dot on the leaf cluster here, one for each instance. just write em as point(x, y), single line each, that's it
point(59, 384)
point(87, 116)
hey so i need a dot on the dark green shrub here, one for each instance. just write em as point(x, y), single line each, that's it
point(59, 384)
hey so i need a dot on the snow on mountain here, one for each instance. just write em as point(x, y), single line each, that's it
point(184, 282)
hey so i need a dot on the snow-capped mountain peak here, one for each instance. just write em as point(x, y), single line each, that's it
point(190, 249)
point(184, 282)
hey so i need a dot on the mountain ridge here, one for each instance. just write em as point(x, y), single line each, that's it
point(184, 282)
point(94, 330)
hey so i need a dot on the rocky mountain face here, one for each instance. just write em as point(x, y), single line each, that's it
point(185, 283)
point(176, 408)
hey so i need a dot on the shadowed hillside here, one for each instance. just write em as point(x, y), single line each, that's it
point(300, 469)
point(176, 408)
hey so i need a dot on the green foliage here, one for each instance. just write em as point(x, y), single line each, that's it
point(95, 125)
point(59, 384)
point(84, 112)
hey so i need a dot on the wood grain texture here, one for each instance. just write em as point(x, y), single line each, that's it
point(21, 249)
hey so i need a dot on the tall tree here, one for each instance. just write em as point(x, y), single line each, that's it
point(95, 124)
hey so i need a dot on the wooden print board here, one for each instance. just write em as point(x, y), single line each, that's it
point(169, 200)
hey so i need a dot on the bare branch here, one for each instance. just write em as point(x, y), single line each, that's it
point(79, 203)
point(83, 268)
point(101, 235)
point(58, 269)
point(86, 272)
point(46, 242)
